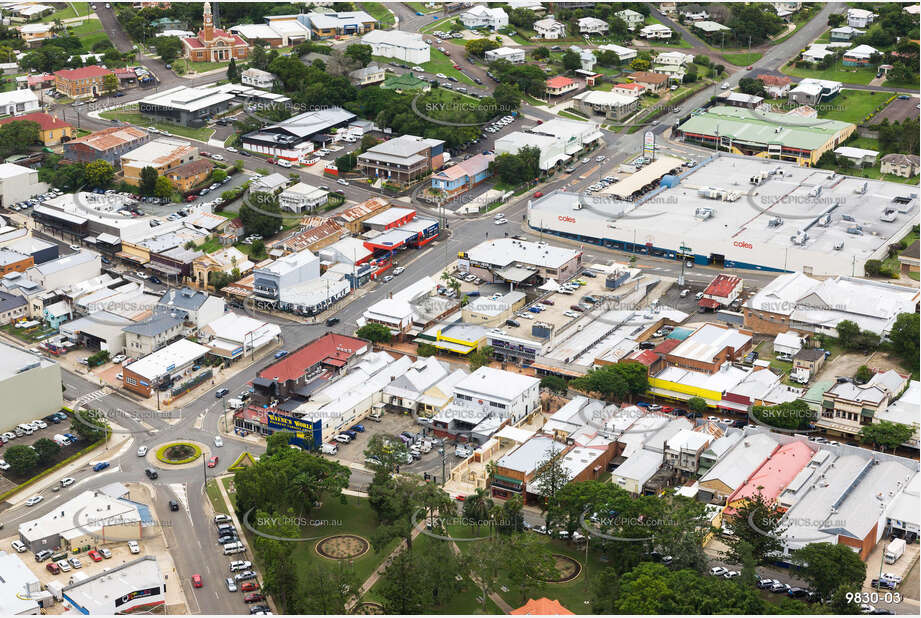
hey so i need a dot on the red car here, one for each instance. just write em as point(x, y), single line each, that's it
point(457, 66)
point(95, 555)
point(539, 194)
point(667, 409)
point(53, 568)
point(460, 498)
point(191, 198)
point(196, 581)
point(748, 68)
point(205, 154)
point(249, 586)
point(212, 462)
point(253, 597)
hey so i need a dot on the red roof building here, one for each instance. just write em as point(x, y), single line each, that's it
point(722, 292)
point(53, 129)
point(560, 85)
point(213, 44)
point(542, 607)
point(319, 359)
point(82, 82)
point(773, 476)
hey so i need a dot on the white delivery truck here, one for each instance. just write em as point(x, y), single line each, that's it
point(234, 404)
point(894, 551)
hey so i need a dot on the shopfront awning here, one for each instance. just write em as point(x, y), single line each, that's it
point(166, 269)
point(515, 274)
point(132, 258)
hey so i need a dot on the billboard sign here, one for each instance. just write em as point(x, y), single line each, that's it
point(307, 434)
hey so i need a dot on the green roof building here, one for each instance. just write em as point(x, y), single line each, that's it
point(405, 83)
point(770, 135)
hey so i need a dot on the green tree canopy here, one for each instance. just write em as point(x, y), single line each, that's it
point(827, 567)
point(886, 434)
point(376, 333)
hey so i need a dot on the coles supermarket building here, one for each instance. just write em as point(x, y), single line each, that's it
point(742, 212)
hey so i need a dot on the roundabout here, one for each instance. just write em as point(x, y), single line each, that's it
point(178, 454)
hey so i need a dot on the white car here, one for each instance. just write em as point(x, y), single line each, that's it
point(133, 547)
point(142, 275)
point(231, 149)
point(105, 553)
point(34, 500)
point(217, 157)
point(418, 68)
point(67, 481)
point(19, 546)
point(3, 465)
point(40, 424)
point(498, 215)
point(501, 221)
point(240, 565)
point(218, 441)
point(388, 278)
point(399, 270)
point(118, 359)
point(64, 565)
point(142, 450)
point(725, 86)
point(343, 181)
point(75, 247)
point(718, 571)
point(441, 76)
point(75, 563)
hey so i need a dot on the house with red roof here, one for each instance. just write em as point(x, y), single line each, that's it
point(464, 176)
point(630, 90)
point(777, 86)
point(560, 85)
point(772, 476)
point(213, 44)
point(53, 129)
point(722, 292)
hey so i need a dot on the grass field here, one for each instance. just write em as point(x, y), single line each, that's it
point(420, 7)
point(838, 73)
point(202, 134)
point(439, 63)
point(214, 495)
point(73, 9)
point(379, 12)
point(572, 116)
point(853, 105)
point(743, 59)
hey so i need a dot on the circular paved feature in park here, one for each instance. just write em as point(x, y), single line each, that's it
point(368, 608)
point(568, 569)
point(343, 547)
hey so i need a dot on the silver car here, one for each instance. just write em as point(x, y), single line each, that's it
point(231, 584)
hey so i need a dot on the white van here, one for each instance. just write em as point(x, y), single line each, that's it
point(61, 440)
point(329, 449)
point(284, 163)
point(234, 548)
point(234, 404)
point(26, 429)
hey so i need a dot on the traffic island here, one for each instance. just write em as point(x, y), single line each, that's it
point(182, 454)
point(343, 547)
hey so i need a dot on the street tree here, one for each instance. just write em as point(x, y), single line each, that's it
point(359, 53)
point(828, 567)
point(477, 508)
point(550, 478)
point(278, 578)
point(21, 459)
point(148, 181)
point(486, 564)
point(99, 173)
point(697, 404)
point(758, 523)
point(508, 516)
point(167, 47)
point(375, 333)
point(886, 434)
point(109, 84)
point(46, 450)
point(479, 358)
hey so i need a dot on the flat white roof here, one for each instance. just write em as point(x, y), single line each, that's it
point(16, 586)
point(187, 99)
point(96, 593)
point(155, 149)
point(496, 383)
point(167, 359)
point(503, 252)
point(707, 341)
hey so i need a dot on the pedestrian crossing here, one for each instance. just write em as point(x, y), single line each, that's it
point(82, 400)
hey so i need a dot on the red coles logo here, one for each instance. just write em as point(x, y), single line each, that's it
point(567, 219)
point(744, 245)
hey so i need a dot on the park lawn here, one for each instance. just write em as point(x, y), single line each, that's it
point(743, 59)
point(379, 12)
point(89, 26)
point(204, 67)
point(825, 37)
point(354, 517)
point(214, 495)
point(420, 7)
point(202, 134)
point(227, 481)
point(465, 602)
point(846, 75)
point(572, 594)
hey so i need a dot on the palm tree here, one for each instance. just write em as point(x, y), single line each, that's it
point(478, 507)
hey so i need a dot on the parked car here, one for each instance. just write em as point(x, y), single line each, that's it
point(196, 581)
point(133, 547)
point(253, 597)
point(231, 584)
point(105, 553)
point(102, 465)
point(95, 556)
point(221, 392)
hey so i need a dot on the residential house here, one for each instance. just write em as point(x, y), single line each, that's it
point(693, 12)
point(592, 25)
point(787, 345)
point(106, 144)
point(302, 197)
point(623, 53)
point(83, 82)
point(655, 31)
point(515, 55)
point(909, 259)
point(36, 34)
point(810, 91)
point(406, 82)
point(371, 74)
point(776, 86)
point(673, 58)
point(859, 157)
point(631, 18)
point(463, 176)
point(902, 165)
point(257, 78)
point(560, 85)
point(709, 28)
point(721, 292)
point(859, 56)
point(149, 335)
point(225, 260)
point(683, 450)
point(844, 33)
point(402, 160)
point(18, 103)
point(859, 18)
point(549, 28)
point(191, 174)
point(480, 16)
point(810, 359)
point(653, 82)
point(12, 308)
point(634, 90)
point(847, 407)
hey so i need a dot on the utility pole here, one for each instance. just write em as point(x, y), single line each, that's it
point(684, 250)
